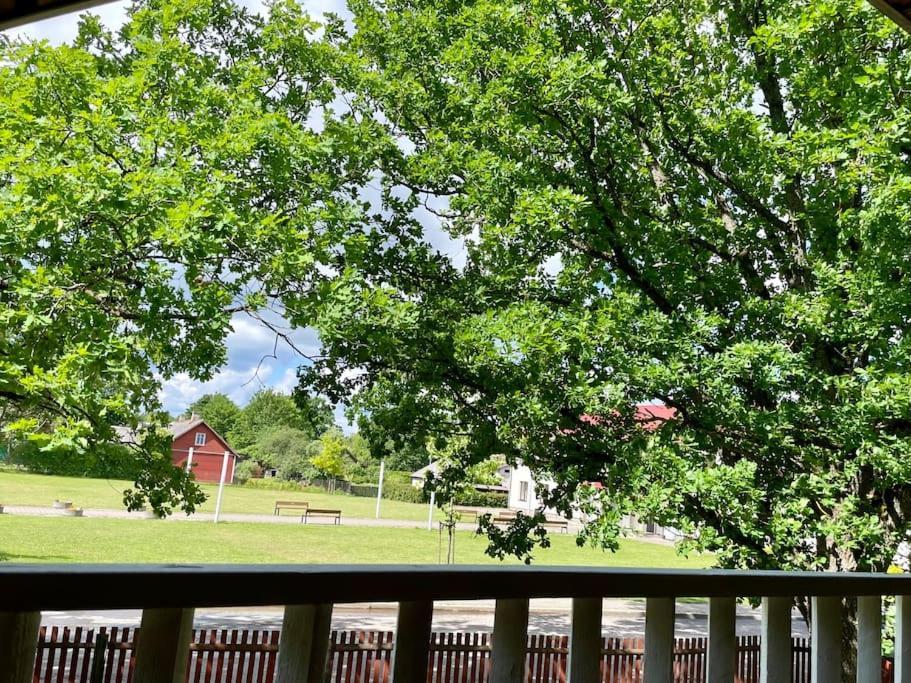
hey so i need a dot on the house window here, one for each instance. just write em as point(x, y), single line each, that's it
point(523, 491)
point(200, 439)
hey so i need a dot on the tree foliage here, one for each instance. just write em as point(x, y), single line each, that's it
point(288, 450)
point(702, 203)
point(150, 180)
point(268, 410)
point(219, 411)
point(698, 203)
point(330, 460)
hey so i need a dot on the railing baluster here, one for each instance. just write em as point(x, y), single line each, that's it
point(412, 642)
point(869, 638)
point(585, 641)
point(775, 644)
point(659, 640)
point(902, 639)
point(510, 636)
point(163, 645)
point(722, 643)
point(304, 644)
point(18, 645)
point(825, 636)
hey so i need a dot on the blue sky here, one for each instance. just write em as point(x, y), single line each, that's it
point(250, 365)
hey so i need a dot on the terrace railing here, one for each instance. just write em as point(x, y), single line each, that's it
point(169, 594)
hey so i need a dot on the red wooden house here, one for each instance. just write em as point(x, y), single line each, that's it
point(196, 443)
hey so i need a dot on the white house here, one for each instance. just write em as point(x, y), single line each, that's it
point(523, 497)
point(504, 471)
point(523, 490)
point(523, 486)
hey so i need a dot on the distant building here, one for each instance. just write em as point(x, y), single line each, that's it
point(418, 477)
point(523, 486)
point(197, 446)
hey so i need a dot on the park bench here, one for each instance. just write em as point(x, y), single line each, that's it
point(504, 519)
point(466, 514)
point(556, 523)
point(290, 505)
point(507, 517)
point(320, 512)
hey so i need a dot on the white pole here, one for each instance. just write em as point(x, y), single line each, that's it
point(379, 488)
point(433, 497)
point(190, 460)
point(221, 485)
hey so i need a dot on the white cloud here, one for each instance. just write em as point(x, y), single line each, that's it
point(178, 392)
point(287, 382)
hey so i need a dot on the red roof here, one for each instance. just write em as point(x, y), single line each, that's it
point(650, 416)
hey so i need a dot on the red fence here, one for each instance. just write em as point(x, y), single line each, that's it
point(249, 656)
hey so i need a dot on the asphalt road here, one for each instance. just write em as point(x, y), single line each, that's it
point(621, 618)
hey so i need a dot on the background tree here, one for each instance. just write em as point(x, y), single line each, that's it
point(219, 411)
point(330, 460)
point(401, 454)
point(150, 177)
point(288, 450)
point(269, 409)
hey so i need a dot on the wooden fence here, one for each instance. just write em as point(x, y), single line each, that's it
point(248, 656)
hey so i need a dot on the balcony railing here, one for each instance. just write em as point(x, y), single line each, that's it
point(168, 594)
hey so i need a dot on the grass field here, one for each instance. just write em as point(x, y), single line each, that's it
point(22, 488)
point(65, 539)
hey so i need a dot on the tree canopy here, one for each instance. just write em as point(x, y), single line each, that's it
point(699, 203)
point(268, 410)
point(151, 179)
point(703, 204)
point(219, 411)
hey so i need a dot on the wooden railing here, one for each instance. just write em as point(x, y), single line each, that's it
point(168, 595)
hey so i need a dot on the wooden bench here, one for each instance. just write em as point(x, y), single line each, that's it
point(290, 505)
point(321, 512)
point(466, 514)
point(561, 524)
point(552, 523)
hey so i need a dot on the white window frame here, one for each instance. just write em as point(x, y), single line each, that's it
point(523, 491)
point(197, 441)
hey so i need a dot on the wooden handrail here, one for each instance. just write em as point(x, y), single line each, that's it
point(109, 586)
point(168, 595)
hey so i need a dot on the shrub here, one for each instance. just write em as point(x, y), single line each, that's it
point(247, 470)
point(486, 499)
point(273, 484)
point(397, 477)
point(404, 492)
point(106, 461)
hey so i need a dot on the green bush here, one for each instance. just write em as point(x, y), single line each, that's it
point(247, 470)
point(273, 484)
point(396, 477)
point(404, 492)
point(485, 499)
point(107, 461)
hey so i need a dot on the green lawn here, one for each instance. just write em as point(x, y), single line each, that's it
point(21, 488)
point(64, 539)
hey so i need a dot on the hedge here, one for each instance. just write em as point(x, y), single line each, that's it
point(106, 461)
point(413, 494)
point(483, 499)
point(275, 484)
point(404, 492)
